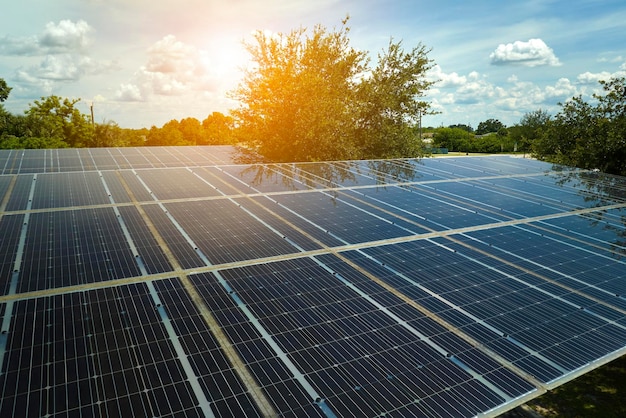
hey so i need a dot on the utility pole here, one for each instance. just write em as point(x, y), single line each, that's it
point(93, 125)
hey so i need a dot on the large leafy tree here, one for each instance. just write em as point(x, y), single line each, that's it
point(530, 127)
point(589, 135)
point(390, 103)
point(218, 129)
point(311, 96)
point(489, 126)
point(58, 118)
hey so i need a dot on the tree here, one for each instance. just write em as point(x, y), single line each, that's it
point(192, 131)
point(314, 97)
point(391, 105)
point(4, 90)
point(218, 129)
point(489, 126)
point(591, 136)
point(169, 134)
point(529, 128)
point(58, 118)
point(454, 139)
point(108, 134)
point(467, 128)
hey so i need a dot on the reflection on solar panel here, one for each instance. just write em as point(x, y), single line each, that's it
point(173, 282)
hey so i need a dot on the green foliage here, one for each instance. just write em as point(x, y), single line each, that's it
point(389, 103)
point(600, 393)
point(55, 117)
point(489, 144)
point(313, 97)
point(454, 139)
point(4, 90)
point(467, 128)
point(489, 126)
point(591, 136)
point(14, 142)
point(216, 129)
point(530, 127)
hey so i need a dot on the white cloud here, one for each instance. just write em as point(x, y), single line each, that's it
point(593, 78)
point(61, 38)
point(66, 36)
point(128, 93)
point(444, 80)
point(173, 68)
point(561, 90)
point(531, 53)
point(64, 67)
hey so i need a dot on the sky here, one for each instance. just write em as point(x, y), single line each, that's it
point(142, 63)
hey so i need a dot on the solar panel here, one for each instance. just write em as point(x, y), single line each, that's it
point(174, 281)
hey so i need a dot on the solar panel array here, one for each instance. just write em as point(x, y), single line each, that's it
point(173, 282)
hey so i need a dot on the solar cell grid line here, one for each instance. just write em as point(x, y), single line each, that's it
point(609, 233)
point(33, 162)
point(150, 251)
point(148, 154)
point(132, 181)
point(324, 174)
point(460, 167)
point(609, 294)
point(175, 183)
point(260, 177)
point(555, 297)
point(524, 186)
point(384, 225)
point(12, 288)
point(7, 159)
point(510, 202)
point(115, 187)
point(57, 190)
point(165, 157)
point(329, 304)
point(65, 248)
point(88, 354)
point(175, 157)
point(182, 357)
point(228, 395)
point(207, 316)
point(136, 158)
point(287, 362)
point(102, 159)
point(121, 157)
point(280, 243)
point(7, 184)
point(10, 227)
point(391, 266)
point(217, 154)
point(296, 373)
point(87, 160)
point(18, 199)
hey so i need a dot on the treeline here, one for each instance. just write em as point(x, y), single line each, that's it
point(585, 134)
point(55, 122)
point(491, 136)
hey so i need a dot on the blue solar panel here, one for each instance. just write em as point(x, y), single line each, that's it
point(176, 282)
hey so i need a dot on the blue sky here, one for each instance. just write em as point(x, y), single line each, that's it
point(144, 62)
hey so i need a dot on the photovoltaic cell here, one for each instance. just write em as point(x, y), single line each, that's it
point(176, 281)
point(66, 248)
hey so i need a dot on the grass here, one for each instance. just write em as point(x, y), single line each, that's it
point(600, 393)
